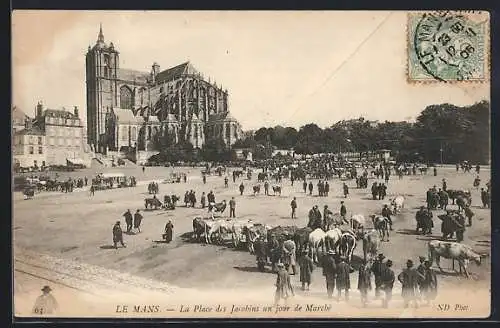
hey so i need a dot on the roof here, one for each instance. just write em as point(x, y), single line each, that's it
point(59, 113)
point(124, 115)
point(176, 72)
point(18, 115)
point(170, 118)
point(223, 116)
point(132, 75)
point(33, 131)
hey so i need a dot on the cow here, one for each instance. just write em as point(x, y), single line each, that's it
point(316, 240)
point(217, 231)
point(332, 238)
point(277, 190)
point(454, 251)
point(200, 228)
point(252, 233)
point(453, 194)
point(397, 203)
point(371, 244)
point(238, 232)
point(152, 203)
point(301, 239)
point(381, 224)
point(219, 207)
point(463, 202)
point(256, 190)
point(347, 245)
point(333, 221)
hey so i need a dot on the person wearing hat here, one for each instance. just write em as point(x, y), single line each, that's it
point(444, 185)
point(293, 205)
point(169, 229)
point(283, 285)
point(128, 220)
point(306, 269)
point(343, 211)
point(364, 282)
point(117, 235)
point(386, 212)
point(387, 283)
point(137, 220)
point(377, 269)
point(346, 190)
point(429, 289)
point(45, 303)
point(343, 278)
point(421, 275)
point(409, 279)
point(315, 221)
point(329, 271)
point(326, 214)
point(310, 187)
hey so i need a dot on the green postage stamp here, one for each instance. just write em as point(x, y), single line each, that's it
point(448, 46)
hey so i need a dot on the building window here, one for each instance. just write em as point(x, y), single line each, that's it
point(40, 150)
point(228, 130)
point(124, 133)
point(31, 150)
point(39, 140)
point(134, 133)
point(51, 141)
point(61, 141)
point(126, 97)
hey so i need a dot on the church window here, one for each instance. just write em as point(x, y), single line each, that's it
point(51, 141)
point(126, 97)
point(228, 130)
point(39, 140)
point(31, 150)
point(196, 131)
point(124, 135)
point(134, 132)
point(40, 150)
point(106, 71)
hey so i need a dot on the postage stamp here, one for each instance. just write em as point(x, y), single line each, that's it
point(448, 46)
point(145, 191)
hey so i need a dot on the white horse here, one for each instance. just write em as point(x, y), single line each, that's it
point(316, 240)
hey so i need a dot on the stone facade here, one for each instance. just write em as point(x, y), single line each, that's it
point(127, 108)
point(53, 137)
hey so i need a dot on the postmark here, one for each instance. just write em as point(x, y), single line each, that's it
point(448, 46)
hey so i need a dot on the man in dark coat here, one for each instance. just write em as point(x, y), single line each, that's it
point(343, 210)
point(315, 218)
point(203, 200)
point(275, 252)
point(169, 229)
point(409, 279)
point(444, 186)
point(311, 188)
point(137, 220)
point(343, 278)
point(377, 268)
point(304, 186)
point(346, 190)
point(283, 285)
point(242, 188)
point(306, 269)
point(374, 190)
point(386, 212)
point(364, 282)
point(421, 274)
point(329, 271)
point(266, 188)
point(226, 180)
point(387, 279)
point(443, 198)
point(232, 208)
point(117, 235)
point(128, 220)
point(327, 188)
point(204, 179)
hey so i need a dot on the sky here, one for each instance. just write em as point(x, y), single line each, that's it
point(280, 68)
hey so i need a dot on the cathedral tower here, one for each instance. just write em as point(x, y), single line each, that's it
point(102, 64)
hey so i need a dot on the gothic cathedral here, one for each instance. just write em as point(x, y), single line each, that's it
point(128, 109)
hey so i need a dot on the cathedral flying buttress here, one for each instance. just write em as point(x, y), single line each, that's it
point(148, 110)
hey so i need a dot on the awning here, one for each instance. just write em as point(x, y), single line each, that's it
point(113, 175)
point(75, 161)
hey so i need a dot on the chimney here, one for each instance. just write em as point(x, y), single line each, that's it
point(39, 109)
point(76, 111)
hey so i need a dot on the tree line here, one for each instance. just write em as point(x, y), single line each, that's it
point(442, 133)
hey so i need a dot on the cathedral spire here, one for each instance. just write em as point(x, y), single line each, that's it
point(100, 37)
